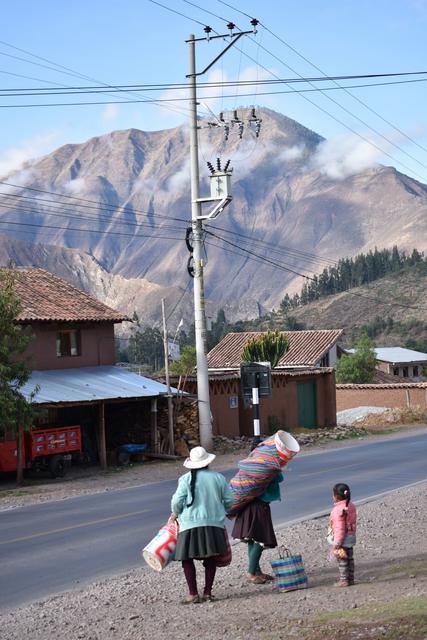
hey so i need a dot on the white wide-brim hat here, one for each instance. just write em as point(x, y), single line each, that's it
point(199, 458)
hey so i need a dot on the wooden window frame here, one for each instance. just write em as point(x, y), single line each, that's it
point(60, 352)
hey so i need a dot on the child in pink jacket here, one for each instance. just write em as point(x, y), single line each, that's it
point(342, 533)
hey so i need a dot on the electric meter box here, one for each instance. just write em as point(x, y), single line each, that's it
point(255, 374)
point(220, 185)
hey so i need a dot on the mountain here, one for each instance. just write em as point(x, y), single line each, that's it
point(126, 199)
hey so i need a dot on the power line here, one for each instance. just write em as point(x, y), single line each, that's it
point(305, 276)
point(338, 104)
point(117, 88)
point(88, 230)
point(275, 248)
point(241, 95)
point(70, 72)
point(79, 199)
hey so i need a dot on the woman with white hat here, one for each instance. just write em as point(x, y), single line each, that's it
point(200, 504)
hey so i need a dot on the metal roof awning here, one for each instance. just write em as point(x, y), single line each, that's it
point(90, 384)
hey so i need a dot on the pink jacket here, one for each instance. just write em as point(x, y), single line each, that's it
point(343, 521)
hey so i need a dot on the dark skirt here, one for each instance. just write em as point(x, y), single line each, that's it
point(254, 524)
point(200, 542)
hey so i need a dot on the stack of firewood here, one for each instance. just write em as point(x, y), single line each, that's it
point(186, 420)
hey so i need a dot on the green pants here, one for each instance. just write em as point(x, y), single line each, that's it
point(254, 555)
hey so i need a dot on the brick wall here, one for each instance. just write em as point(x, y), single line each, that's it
point(371, 395)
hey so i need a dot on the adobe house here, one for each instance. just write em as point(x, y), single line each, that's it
point(303, 384)
point(72, 358)
point(404, 363)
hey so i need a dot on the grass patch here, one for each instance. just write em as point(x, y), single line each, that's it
point(416, 566)
point(7, 493)
point(416, 606)
point(401, 619)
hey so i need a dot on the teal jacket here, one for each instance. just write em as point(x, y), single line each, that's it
point(213, 498)
point(272, 492)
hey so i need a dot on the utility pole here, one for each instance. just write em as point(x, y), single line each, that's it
point(205, 425)
point(169, 394)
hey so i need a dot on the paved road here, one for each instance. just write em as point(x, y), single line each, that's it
point(48, 548)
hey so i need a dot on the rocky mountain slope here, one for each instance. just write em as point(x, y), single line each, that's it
point(125, 203)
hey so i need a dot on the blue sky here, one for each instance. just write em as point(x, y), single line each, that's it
point(136, 41)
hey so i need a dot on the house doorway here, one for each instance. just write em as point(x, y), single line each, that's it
point(306, 399)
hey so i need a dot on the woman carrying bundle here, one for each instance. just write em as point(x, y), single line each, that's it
point(253, 523)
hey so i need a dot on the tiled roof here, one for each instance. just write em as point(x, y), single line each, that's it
point(235, 375)
point(306, 348)
point(45, 297)
point(373, 387)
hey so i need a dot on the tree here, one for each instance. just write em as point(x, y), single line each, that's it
point(268, 347)
point(358, 367)
point(146, 347)
point(16, 412)
point(186, 363)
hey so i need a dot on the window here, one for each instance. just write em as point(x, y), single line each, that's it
point(405, 372)
point(396, 371)
point(325, 360)
point(68, 343)
point(416, 374)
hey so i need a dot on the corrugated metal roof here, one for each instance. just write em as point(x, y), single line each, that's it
point(87, 384)
point(397, 355)
point(306, 348)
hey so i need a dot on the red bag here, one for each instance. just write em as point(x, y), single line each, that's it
point(224, 559)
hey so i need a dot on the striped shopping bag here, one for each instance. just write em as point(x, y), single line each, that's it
point(289, 572)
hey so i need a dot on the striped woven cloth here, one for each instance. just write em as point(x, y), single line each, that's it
point(254, 475)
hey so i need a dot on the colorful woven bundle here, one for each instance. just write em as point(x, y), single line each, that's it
point(255, 474)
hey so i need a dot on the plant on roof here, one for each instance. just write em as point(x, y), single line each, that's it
point(268, 347)
point(16, 412)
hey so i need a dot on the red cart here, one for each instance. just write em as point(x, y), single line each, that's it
point(49, 449)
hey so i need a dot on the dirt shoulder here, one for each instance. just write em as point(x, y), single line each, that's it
point(83, 481)
point(388, 601)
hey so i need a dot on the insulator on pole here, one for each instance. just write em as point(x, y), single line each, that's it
point(241, 127)
point(226, 132)
point(218, 164)
point(210, 166)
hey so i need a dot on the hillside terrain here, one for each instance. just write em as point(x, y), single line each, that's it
point(393, 310)
point(118, 206)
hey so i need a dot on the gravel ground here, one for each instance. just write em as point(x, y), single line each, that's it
point(391, 567)
point(350, 416)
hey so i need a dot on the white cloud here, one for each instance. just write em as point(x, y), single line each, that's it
point(76, 186)
point(291, 153)
point(12, 158)
point(111, 112)
point(180, 179)
point(346, 155)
